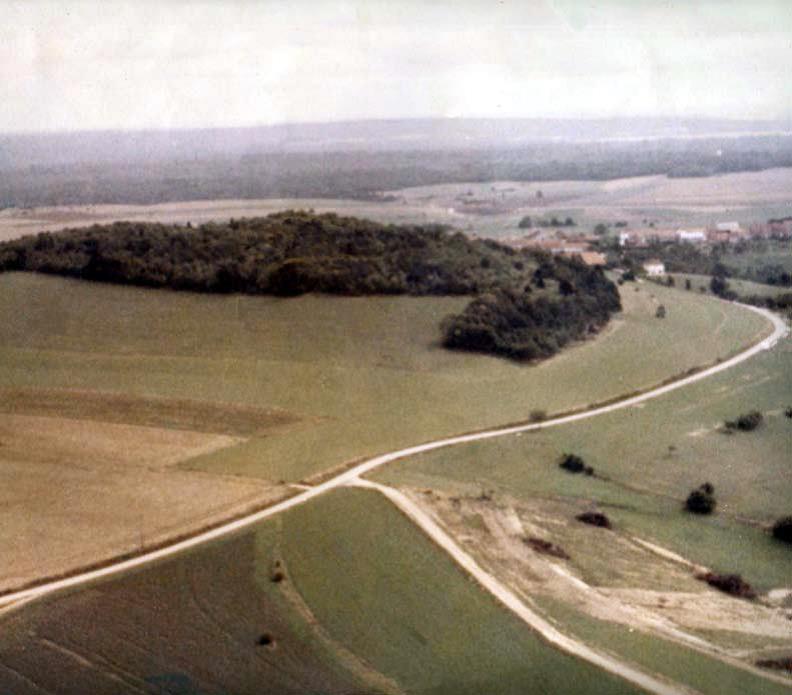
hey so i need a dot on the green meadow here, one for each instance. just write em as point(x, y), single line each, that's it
point(707, 675)
point(648, 458)
point(380, 587)
point(744, 288)
point(364, 375)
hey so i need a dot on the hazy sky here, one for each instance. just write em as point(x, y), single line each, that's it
point(81, 65)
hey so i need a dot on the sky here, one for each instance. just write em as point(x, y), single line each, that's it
point(72, 65)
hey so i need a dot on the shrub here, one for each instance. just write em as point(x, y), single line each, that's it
point(661, 312)
point(594, 519)
point(788, 412)
point(701, 500)
point(546, 548)
point(746, 422)
point(782, 529)
point(732, 584)
point(688, 284)
point(574, 464)
point(783, 664)
point(266, 640)
point(537, 415)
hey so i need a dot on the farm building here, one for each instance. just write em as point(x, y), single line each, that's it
point(592, 258)
point(692, 236)
point(654, 268)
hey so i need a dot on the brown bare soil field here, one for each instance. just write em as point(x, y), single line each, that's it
point(75, 490)
point(199, 416)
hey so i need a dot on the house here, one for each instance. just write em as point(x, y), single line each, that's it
point(731, 227)
point(592, 258)
point(692, 236)
point(654, 268)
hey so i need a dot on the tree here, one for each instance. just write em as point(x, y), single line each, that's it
point(572, 463)
point(661, 312)
point(600, 229)
point(718, 285)
point(782, 529)
point(746, 422)
point(701, 500)
point(688, 284)
point(525, 222)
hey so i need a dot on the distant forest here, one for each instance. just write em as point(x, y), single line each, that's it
point(526, 305)
point(176, 174)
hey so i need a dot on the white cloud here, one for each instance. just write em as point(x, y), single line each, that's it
point(230, 62)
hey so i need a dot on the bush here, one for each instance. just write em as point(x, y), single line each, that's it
point(701, 500)
point(782, 529)
point(746, 422)
point(574, 464)
point(783, 664)
point(788, 412)
point(537, 415)
point(546, 548)
point(732, 584)
point(594, 519)
point(661, 312)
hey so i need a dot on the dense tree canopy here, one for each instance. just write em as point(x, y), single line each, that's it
point(527, 305)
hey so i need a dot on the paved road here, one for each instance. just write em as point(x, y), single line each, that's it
point(15, 600)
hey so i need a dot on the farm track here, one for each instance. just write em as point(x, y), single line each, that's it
point(352, 477)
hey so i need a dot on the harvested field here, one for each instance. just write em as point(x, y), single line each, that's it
point(74, 492)
point(198, 416)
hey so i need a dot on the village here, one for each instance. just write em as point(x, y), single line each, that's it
point(592, 248)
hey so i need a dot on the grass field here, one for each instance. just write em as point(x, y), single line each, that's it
point(652, 456)
point(707, 675)
point(190, 626)
point(744, 288)
point(380, 587)
point(385, 602)
point(774, 253)
point(362, 375)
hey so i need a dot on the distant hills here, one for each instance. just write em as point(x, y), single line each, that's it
point(366, 159)
point(91, 147)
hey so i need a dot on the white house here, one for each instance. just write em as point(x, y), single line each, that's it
point(654, 268)
point(728, 227)
point(693, 236)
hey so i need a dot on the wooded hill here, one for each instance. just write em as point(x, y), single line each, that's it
point(527, 305)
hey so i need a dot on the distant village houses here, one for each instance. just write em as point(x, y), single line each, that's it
point(654, 268)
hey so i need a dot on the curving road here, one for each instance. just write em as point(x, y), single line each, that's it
point(351, 476)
